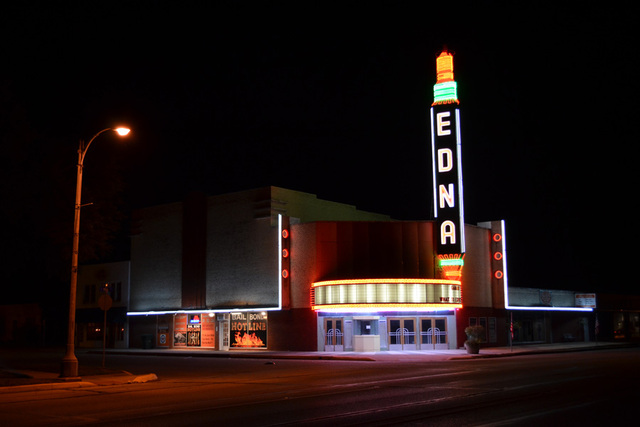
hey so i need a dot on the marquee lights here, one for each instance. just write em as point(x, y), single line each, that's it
point(386, 293)
point(365, 281)
point(337, 308)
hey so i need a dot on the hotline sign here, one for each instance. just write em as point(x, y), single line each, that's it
point(447, 178)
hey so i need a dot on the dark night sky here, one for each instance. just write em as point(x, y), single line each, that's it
point(334, 100)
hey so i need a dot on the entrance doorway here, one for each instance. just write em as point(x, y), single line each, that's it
point(223, 333)
point(402, 334)
point(433, 333)
point(333, 335)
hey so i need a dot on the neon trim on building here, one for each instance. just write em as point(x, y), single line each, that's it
point(445, 91)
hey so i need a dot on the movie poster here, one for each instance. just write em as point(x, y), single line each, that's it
point(193, 330)
point(208, 331)
point(180, 330)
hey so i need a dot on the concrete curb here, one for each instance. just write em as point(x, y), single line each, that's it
point(63, 385)
point(89, 381)
point(549, 350)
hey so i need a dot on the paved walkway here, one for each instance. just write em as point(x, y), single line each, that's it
point(44, 379)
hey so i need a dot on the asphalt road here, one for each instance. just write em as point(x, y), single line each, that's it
point(582, 388)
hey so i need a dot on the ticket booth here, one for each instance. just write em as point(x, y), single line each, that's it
point(366, 334)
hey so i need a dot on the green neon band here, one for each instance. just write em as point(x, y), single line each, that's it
point(447, 91)
point(447, 262)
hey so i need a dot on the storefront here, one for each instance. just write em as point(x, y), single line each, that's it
point(388, 331)
point(219, 331)
point(351, 281)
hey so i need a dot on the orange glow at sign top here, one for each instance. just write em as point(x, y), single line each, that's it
point(444, 67)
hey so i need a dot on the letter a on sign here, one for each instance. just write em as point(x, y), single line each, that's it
point(448, 232)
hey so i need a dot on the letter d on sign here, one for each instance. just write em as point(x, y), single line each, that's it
point(445, 162)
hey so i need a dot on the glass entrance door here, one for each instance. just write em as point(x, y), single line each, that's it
point(402, 334)
point(333, 335)
point(433, 334)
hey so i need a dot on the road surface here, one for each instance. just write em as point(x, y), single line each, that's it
point(586, 388)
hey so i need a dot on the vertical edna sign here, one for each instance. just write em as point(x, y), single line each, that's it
point(447, 162)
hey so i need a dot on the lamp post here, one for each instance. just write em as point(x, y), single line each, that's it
point(69, 361)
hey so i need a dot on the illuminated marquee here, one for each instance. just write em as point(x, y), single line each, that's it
point(386, 294)
point(447, 162)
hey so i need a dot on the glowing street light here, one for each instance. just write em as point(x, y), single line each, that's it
point(69, 361)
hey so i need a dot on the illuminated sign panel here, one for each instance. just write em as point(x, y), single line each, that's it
point(249, 330)
point(386, 294)
point(447, 178)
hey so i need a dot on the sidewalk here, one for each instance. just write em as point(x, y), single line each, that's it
point(43, 377)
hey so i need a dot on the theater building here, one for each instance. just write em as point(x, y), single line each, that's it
point(283, 270)
point(280, 269)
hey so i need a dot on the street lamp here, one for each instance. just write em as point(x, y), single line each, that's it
point(69, 361)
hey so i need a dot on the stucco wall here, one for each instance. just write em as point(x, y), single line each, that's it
point(242, 260)
point(156, 259)
point(476, 273)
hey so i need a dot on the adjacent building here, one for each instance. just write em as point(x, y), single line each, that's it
point(102, 305)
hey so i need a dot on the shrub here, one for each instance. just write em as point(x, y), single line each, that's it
point(475, 334)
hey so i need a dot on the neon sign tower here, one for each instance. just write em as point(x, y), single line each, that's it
point(447, 169)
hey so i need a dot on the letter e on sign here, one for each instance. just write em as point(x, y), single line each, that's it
point(441, 123)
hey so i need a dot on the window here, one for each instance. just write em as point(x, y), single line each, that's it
point(366, 327)
point(493, 333)
point(94, 331)
point(114, 289)
point(482, 321)
point(89, 296)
